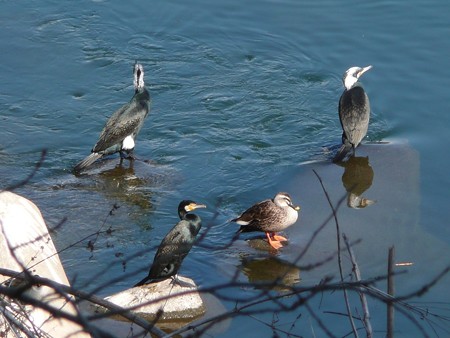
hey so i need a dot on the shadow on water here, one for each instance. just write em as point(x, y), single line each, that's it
point(123, 184)
point(132, 183)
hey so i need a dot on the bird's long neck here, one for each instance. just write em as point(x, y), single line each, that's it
point(350, 82)
point(142, 93)
point(195, 222)
point(139, 84)
point(188, 217)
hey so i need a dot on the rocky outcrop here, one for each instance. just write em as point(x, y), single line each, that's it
point(167, 299)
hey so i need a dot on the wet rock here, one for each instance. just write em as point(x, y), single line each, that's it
point(166, 299)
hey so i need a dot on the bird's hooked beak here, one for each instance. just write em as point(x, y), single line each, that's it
point(362, 71)
point(194, 206)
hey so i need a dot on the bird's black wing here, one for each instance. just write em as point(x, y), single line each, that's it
point(256, 215)
point(354, 114)
point(124, 122)
point(171, 252)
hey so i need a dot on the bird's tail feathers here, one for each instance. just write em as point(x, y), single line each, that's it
point(86, 162)
point(146, 280)
point(342, 153)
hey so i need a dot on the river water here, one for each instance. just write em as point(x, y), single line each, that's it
point(244, 103)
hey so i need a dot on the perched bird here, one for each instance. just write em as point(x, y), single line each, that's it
point(121, 129)
point(269, 216)
point(354, 112)
point(176, 245)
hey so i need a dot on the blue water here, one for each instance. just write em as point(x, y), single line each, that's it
point(242, 94)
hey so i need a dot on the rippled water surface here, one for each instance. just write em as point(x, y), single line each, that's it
point(244, 94)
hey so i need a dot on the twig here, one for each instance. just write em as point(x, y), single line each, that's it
point(390, 291)
point(427, 286)
point(338, 235)
point(319, 321)
point(362, 296)
point(36, 280)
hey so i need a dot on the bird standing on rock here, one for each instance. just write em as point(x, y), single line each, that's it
point(354, 112)
point(121, 129)
point(270, 216)
point(176, 245)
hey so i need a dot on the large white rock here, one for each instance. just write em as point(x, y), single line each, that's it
point(25, 242)
point(177, 301)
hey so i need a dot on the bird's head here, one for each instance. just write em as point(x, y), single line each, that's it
point(187, 206)
point(352, 75)
point(283, 199)
point(138, 73)
point(192, 206)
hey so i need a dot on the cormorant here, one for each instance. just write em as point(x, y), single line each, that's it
point(269, 216)
point(176, 245)
point(121, 129)
point(354, 112)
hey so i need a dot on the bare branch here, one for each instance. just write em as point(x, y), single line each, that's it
point(338, 235)
point(365, 306)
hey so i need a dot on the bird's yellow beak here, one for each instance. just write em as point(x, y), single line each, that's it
point(297, 208)
point(194, 206)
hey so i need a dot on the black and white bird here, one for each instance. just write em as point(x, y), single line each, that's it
point(176, 245)
point(120, 131)
point(354, 112)
point(270, 216)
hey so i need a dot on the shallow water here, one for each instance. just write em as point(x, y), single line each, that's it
point(243, 95)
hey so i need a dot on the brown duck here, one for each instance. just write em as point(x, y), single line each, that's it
point(270, 216)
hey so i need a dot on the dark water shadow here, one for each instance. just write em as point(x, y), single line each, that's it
point(269, 272)
point(135, 183)
point(357, 179)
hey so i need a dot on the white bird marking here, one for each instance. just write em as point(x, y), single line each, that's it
point(128, 143)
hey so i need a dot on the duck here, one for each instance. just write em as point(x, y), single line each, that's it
point(354, 112)
point(270, 216)
point(120, 131)
point(176, 244)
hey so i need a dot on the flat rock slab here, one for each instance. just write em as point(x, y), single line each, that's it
point(177, 301)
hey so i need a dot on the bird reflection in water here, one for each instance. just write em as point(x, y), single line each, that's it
point(357, 178)
point(121, 182)
point(270, 272)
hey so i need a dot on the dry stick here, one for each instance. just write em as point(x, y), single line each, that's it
point(390, 291)
point(97, 233)
point(313, 291)
point(36, 280)
point(347, 303)
point(319, 321)
point(274, 328)
point(55, 312)
point(362, 296)
point(28, 276)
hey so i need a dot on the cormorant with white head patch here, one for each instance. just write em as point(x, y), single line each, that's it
point(120, 131)
point(176, 245)
point(354, 112)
